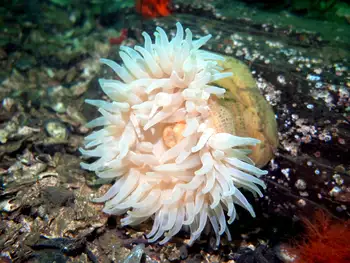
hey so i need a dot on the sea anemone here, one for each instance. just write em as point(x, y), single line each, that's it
point(167, 141)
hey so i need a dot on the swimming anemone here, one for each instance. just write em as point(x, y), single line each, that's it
point(167, 142)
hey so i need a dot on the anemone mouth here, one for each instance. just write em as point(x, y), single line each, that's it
point(167, 141)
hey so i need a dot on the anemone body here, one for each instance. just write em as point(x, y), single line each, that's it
point(167, 143)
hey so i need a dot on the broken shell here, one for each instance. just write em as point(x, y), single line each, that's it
point(59, 107)
point(56, 129)
point(135, 254)
point(3, 136)
point(7, 103)
point(8, 206)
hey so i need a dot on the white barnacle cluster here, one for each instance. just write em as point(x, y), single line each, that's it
point(158, 140)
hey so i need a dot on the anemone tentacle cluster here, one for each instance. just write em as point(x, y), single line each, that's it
point(163, 144)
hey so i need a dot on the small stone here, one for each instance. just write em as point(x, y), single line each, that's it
point(25, 63)
point(71, 75)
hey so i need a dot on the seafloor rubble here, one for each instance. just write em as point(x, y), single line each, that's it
point(46, 213)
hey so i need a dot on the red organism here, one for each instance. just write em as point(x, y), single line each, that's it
point(120, 39)
point(153, 8)
point(325, 240)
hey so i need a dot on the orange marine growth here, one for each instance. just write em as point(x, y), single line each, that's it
point(153, 8)
point(172, 134)
point(325, 241)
